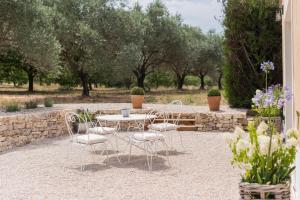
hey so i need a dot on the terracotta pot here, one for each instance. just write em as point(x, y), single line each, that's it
point(214, 103)
point(137, 101)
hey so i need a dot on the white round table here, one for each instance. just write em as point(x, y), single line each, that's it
point(120, 118)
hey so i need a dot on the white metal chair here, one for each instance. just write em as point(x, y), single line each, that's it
point(95, 127)
point(87, 139)
point(170, 120)
point(149, 140)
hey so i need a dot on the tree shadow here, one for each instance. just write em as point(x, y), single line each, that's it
point(107, 152)
point(171, 153)
point(94, 167)
point(138, 162)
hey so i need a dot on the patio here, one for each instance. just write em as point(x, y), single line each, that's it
point(50, 169)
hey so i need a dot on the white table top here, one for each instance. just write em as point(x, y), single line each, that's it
point(118, 118)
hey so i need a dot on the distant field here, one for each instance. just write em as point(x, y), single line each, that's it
point(190, 96)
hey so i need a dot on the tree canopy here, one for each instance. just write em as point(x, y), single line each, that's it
point(87, 42)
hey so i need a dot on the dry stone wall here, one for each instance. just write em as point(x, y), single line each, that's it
point(20, 129)
point(212, 121)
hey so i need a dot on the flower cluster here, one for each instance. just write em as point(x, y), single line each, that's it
point(254, 152)
point(267, 66)
point(271, 102)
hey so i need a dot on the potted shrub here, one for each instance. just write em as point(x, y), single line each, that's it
point(266, 160)
point(265, 156)
point(137, 97)
point(214, 99)
point(268, 104)
point(85, 116)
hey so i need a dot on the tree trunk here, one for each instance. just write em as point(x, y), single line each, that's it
point(90, 86)
point(220, 81)
point(30, 80)
point(202, 84)
point(140, 80)
point(85, 84)
point(180, 81)
point(96, 85)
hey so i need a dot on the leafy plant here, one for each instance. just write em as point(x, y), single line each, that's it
point(270, 103)
point(31, 104)
point(137, 91)
point(262, 154)
point(85, 116)
point(213, 93)
point(12, 107)
point(48, 102)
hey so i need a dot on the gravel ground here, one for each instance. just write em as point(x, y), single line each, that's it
point(50, 169)
point(119, 106)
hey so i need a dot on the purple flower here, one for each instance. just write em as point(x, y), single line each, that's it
point(267, 66)
point(269, 100)
point(258, 97)
point(280, 103)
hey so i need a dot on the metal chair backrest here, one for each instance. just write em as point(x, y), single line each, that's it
point(175, 116)
point(72, 119)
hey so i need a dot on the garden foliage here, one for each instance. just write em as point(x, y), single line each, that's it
point(252, 35)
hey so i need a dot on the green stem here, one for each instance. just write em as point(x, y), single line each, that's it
point(266, 81)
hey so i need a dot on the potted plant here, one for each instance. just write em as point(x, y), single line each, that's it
point(214, 99)
point(264, 155)
point(268, 104)
point(137, 97)
point(84, 117)
point(266, 161)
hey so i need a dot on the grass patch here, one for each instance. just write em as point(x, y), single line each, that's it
point(12, 107)
point(31, 104)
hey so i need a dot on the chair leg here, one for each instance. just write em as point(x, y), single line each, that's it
point(94, 153)
point(151, 156)
point(130, 148)
point(107, 157)
point(147, 156)
point(167, 151)
point(117, 151)
point(180, 135)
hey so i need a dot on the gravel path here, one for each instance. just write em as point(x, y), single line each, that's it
point(50, 169)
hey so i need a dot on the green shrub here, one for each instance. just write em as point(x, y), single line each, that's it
point(192, 80)
point(208, 81)
point(252, 36)
point(213, 93)
point(48, 102)
point(160, 78)
point(137, 91)
point(12, 107)
point(31, 104)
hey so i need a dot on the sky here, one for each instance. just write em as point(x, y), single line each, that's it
point(200, 13)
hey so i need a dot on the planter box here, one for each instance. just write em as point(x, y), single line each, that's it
point(250, 191)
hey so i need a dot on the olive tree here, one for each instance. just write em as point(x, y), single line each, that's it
point(27, 37)
point(148, 35)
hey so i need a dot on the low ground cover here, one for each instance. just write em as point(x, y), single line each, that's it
point(189, 96)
